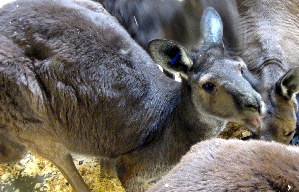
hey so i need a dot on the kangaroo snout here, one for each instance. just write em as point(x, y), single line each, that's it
point(251, 103)
point(248, 100)
point(252, 107)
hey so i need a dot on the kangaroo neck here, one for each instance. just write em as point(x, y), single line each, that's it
point(191, 123)
point(184, 127)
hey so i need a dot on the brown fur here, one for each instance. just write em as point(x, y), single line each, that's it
point(73, 81)
point(234, 165)
point(271, 38)
point(10, 151)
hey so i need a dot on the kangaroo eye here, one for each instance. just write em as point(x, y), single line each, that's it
point(208, 87)
point(290, 133)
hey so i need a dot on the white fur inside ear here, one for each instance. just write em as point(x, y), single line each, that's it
point(183, 75)
point(284, 90)
point(177, 76)
point(186, 60)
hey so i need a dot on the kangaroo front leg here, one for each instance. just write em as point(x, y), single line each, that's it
point(67, 167)
point(62, 159)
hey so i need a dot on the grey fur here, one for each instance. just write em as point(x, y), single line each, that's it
point(73, 81)
point(146, 20)
point(229, 13)
point(234, 165)
point(213, 27)
point(271, 35)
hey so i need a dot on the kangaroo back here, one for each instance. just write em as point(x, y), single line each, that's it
point(234, 165)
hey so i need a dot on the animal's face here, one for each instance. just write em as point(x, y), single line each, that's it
point(279, 123)
point(220, 89)
point(213, 78)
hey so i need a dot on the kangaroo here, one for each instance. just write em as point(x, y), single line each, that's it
point(72, 80)
point(271, 33)
point(234, 165)
point(145, 20)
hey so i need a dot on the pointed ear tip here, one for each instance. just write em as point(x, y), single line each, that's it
point(153, 40)
point(212, 9)
point(159, 41)
point(154, 44)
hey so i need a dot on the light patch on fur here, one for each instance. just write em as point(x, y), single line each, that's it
point(263, 107)
point(177, 77)
point(4, 2)
point(293, 149)
point(206, 77)
point(136, 21)
point(124, 52)
point(186, 60)
point(284, 90)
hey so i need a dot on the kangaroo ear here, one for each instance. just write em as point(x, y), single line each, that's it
point(288, 85)
point(171, 56)
point(211, 27)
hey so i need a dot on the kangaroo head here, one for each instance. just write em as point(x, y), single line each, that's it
point(279, 123)
point(215, 79)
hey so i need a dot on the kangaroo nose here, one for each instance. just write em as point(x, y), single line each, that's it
point(251, 104)
point(252, 107)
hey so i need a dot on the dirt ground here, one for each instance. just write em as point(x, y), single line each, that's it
point(36, 174)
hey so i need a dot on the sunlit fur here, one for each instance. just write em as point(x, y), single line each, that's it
point(234, 165)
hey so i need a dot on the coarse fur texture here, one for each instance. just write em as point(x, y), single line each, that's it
point(10, 151)
point(73, 81)
point(234, 165)
point(271, 35)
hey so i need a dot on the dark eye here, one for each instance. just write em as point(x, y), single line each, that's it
point(242, 70)
point(290, 133)
point(208, 87)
